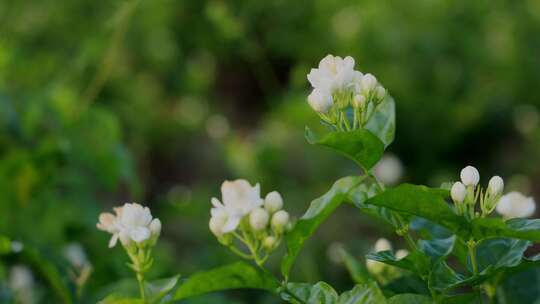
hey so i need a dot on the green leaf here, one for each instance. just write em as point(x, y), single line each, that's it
point(161, 289)
point(484, 228)
point(383, 121)
point(442, 277)
point(321, 293)
point(498, 253)
point(416, 261)
point(359, 145)
point(367, 293)
point(357, 270)
point(420, 201)
point(465, 298)
point(521, 287)
point(437, 248)
point(428, 229)
point(232, 276)
point(410, 299)
point(317, 213)
point(368, 189)
point(114, 299)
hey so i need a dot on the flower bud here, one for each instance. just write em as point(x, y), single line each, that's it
point(258, 219)
point(470, 176)
point(380, 92)
point(359, 101)
point(216, 225)
point(155, 227)
point(382, 244)
point(458, 192)
point(273, 202)
point(269, 242)
point(280, 219)
point(320, 101)
point(402, 253)
point(368, 82)
point(496, 185)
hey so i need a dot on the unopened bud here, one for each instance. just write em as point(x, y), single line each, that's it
point(258, 219)
point(273, 202)
point(496, 185)
point(382, 244)
point(269, 242)
point(320, 101)
point(470, 176)
point(280, 220)
point(359, 101)
point(458, 192)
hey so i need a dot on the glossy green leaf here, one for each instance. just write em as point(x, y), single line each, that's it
point(317, 213)
point(383, 121)
point(484, 228)
point(321, 293)
point(498, 253)
point(416, 261)
point(420, 201)
point(465, 298)
point(368, 189)
point(366, 293)
point(359, 145)
point(428, 229)
point(114, 299)
point(233, 276)
point(410, 299)
point(407, 283)
point(521, 287)
point(437, 248)
point(161, 289)
point(443, 277)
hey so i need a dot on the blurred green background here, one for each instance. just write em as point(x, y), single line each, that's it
point(106, 102)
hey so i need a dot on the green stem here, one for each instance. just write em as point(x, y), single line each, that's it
point(140, 279)
point(472, 255)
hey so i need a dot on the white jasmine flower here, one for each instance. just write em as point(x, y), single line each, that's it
point(470, 176)
point(369, 82)
point(75, 254)
point(380, 92)
point(458, 192)
point(132, 223)
point(216, 225)
point(359, 101)
point(402, 253)
point(382, 244)
point(496, 185)
point(273, 202)
point(239, 199)
point(108, 222)
point(280, 219)
point(321, 101)
point(515, 204)
point(333, 73)
point(389, 169)
point(258, 219)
